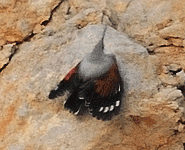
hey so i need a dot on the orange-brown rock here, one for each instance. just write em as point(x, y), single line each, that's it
point(152, 115)
point(20, 17)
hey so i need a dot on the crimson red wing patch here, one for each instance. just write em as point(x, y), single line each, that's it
point(71, 73)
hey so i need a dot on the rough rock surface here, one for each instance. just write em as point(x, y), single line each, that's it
point(42, 40)
point(20, 17)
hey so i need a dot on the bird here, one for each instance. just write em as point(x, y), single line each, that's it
point(94, 82)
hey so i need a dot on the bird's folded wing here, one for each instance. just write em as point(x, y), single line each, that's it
point(70, 82)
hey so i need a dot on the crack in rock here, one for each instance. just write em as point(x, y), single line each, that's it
point(6, 55)
point(14, 48)
point(49, 19)
point(12, 51)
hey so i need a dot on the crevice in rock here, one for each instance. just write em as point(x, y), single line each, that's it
point(14, 50)
point(170, 37)
point(184, 145)
point(171, 45)
point(3, 67)
point(176, 132)
point(163, 45)
point(175, 72)
point(181, 121)
point(151, 52)
point(49, 19)
point(28, 38)
point(182, 88)
point(68, 11)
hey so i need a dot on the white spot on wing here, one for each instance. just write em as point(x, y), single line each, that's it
point(100, 109)
point(81, 97)
point(117, 103)
point(87, 103)
point(111, 107)
point(119, 89)
point(56, 88)
point(90, 110)
point(76, 113)
point(106, 109)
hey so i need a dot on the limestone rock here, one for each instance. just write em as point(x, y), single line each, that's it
point(19, 18)
point(157, 25)
point(5, 54)
point(172, 75)
point(53, 36)
point(174, 67)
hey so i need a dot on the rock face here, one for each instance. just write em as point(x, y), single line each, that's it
point(42, 40)
point(19, 18)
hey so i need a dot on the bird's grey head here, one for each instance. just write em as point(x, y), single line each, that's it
point(98, 50)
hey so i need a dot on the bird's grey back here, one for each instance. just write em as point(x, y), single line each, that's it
point(88, 69)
